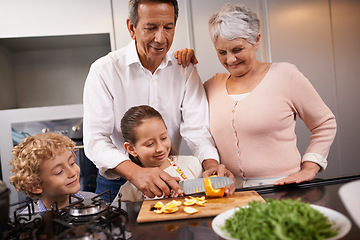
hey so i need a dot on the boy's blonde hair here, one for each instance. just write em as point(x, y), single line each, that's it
point(30, 153)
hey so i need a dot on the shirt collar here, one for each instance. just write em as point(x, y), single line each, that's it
point(132, 56)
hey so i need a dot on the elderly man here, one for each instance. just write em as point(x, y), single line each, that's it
point(145, 73)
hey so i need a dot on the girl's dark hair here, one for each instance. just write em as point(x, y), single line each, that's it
point(132, 119)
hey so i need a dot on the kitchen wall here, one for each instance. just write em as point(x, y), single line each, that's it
point(319, 37)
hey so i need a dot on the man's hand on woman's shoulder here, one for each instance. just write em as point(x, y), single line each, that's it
point(185, 57)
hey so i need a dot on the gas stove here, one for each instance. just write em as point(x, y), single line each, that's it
point(81, 219)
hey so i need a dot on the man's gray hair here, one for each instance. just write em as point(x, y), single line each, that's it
point(134, 4)
point(234, 21)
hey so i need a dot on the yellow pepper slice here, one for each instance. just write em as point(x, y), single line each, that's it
point(190, 210)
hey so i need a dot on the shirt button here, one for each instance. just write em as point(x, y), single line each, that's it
point(241, 170)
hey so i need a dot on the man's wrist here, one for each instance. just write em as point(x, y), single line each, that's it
point(126, 169)
point(209, 163)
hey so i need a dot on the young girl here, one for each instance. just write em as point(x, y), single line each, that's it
point(45, 169)
point(148, 145)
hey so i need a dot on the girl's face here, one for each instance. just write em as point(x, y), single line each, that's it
point(238, 56)
point(153, 143)
point(59, 176)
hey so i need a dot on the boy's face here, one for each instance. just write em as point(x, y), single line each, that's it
point(59, 176)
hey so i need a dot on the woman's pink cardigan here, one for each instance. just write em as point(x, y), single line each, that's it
point(256, 137)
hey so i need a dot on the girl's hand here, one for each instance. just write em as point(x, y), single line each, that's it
point(153, 181)
point(185, 57)
point(173, 193)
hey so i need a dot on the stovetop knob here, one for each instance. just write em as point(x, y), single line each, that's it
point(76, 128)
point(45, 130)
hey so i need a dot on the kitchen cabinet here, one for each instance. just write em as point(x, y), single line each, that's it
point(346, 52)
point(24, 18)
point(46, 49)
point(120, 14)
point(47, 71)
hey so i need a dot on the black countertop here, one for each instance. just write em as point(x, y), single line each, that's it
point(322, 192)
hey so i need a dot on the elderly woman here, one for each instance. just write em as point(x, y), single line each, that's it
point(253, 108)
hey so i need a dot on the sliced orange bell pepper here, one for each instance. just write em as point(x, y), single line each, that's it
point(210, 191)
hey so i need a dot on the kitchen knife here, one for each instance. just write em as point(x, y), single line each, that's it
point(192, 186)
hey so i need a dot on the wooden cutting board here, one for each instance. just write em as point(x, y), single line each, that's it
point(213, 207)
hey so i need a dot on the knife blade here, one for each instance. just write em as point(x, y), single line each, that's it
point(192, 186)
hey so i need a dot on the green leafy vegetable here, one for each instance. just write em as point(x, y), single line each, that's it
point(279, 219)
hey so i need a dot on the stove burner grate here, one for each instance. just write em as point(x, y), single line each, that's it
point(82, 219)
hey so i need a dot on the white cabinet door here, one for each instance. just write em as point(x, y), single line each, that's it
point(23, 18)
point(346, 39)
point(120, 14)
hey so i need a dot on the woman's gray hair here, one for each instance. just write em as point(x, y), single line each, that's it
point(234, 21)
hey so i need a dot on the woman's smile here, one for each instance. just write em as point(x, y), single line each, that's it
point(235, 65)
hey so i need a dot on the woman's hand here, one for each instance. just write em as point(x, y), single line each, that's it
point(307, 173)
point(212, 167)
point(185, 57)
